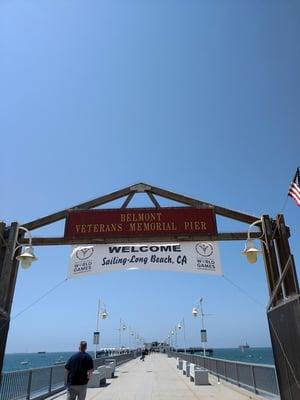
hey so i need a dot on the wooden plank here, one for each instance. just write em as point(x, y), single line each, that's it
point(9, 269)
point(270, 258)
point(153, 199)
point(128, 199)
point(236, 215)
point(284, 253)
point(3, 243)
point(49, 219)
point(54, 241)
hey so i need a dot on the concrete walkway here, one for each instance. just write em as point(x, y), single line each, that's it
point(157, 378)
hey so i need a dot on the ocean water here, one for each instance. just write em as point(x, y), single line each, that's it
point(15, 361)
point(12, 362)
point(255, 355)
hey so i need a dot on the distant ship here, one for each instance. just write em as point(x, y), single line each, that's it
point(244, 346)
point(41, 352)
point(24, 362)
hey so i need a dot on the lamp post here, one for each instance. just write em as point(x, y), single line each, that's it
point(102, 315)
point(172, 339)
point(203, 330)
point(181, 325)
point(122, 327)
point(131, 333)
point(129, 336)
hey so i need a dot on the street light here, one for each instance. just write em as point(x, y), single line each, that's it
point(27, 257)
point(103, 315)
point(172, 339)
point(130, 333)
point(195, 312)
point(122, 327)
point(175, 341)
point(181, 325)
point(250, 250)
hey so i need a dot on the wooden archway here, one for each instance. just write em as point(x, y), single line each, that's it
point(283, 309)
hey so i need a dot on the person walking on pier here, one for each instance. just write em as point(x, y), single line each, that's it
point(78, 370)
point(143, 355)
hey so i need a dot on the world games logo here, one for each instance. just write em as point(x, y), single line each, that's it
point(204, 249)
point(84, 253)
point(205, 257)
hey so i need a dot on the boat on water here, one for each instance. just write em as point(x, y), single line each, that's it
point(24, 362)
point(41, 352)
point(244, 346)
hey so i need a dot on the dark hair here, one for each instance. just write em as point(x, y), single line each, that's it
point(83, 345)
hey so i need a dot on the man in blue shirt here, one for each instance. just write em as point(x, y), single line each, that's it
point(78, 370)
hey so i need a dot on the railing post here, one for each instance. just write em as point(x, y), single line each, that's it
point(217, 372)
point(225, 370)
point(253, 379)
point(29, 385)
point(50, 380)
point(237, 374)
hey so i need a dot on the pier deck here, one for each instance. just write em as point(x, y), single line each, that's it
point(157, 378)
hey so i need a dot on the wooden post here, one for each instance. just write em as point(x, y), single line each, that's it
point(269, 252)
point(8, 275)
point(282, 241)
point(284, 312)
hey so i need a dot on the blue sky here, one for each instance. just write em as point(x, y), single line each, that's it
point(198, 97)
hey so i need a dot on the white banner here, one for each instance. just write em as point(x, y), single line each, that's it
point(197, 257)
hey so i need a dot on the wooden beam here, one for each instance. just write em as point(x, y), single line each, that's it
point(284, 254)
point(128, 199)
point(49, 219)
point(54, 241)
point(150, 190)
point(270, 257)
point(224, 212)
point(8, 275)
point(153, 199)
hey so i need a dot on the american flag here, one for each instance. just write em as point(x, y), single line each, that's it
point(294, 190)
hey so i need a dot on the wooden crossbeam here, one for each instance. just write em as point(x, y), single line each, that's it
point(54, 241)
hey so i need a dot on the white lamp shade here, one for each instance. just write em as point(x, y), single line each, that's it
point(27, 257)
point(251, 252)
point(195, 312)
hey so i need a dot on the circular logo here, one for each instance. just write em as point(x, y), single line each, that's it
point(84, 253)
point(204, 249)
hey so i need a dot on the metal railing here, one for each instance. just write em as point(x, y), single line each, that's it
point(258, 378)
point(40, 383)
